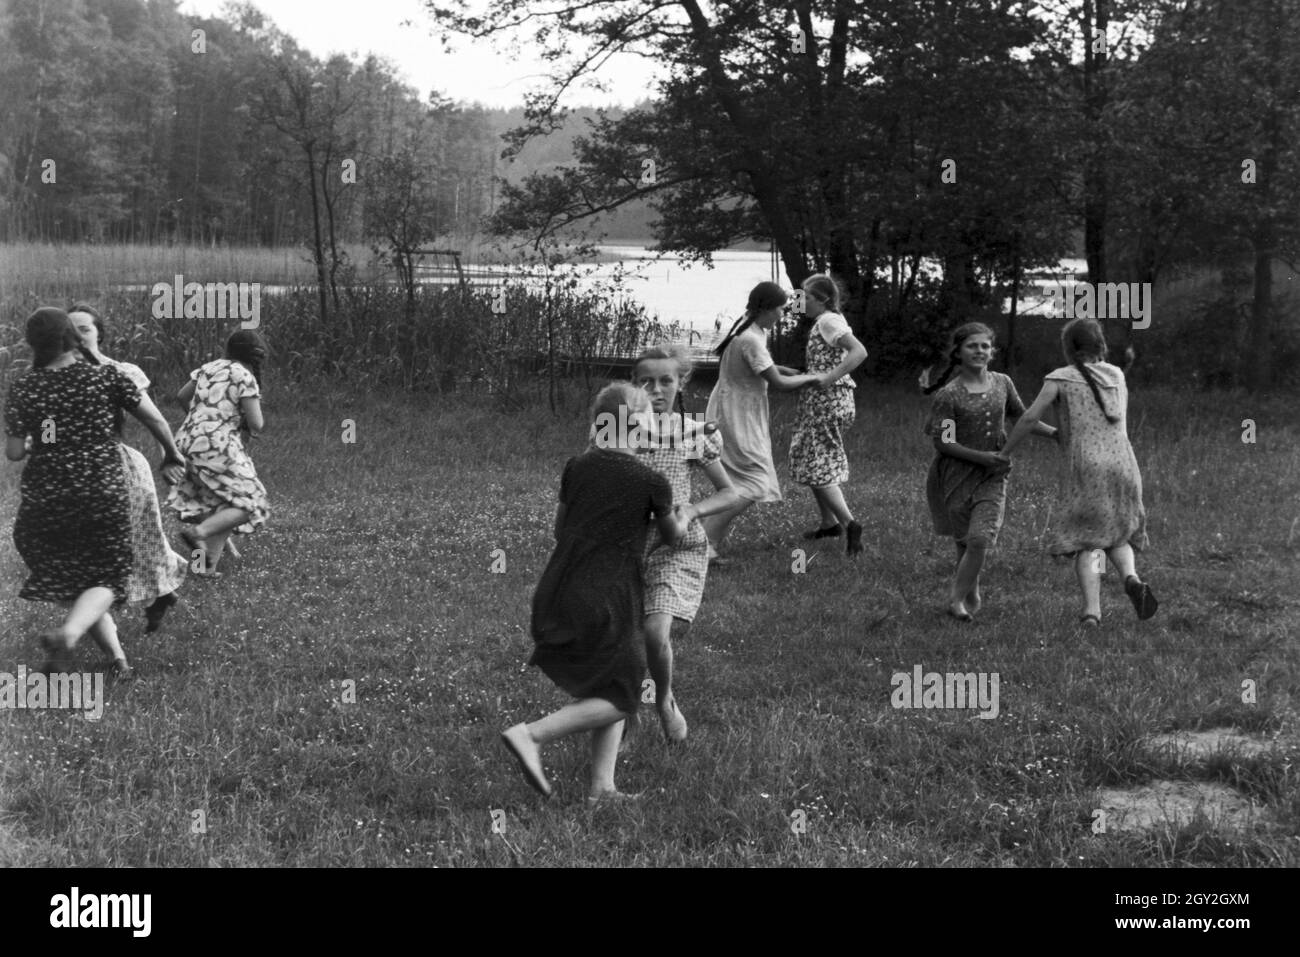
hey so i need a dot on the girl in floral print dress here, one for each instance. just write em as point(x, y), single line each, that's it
point(817, 456)
point(221, 493)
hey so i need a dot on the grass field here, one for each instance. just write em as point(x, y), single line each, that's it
point(375, 568)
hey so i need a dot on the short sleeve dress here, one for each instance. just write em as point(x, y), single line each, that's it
point(966, 500)
point(218, 472)
point(675, 576)
point(588, 606)
point(155, 568)
point(739, 405)
point(817, 456)
point(1102, 486)
point(73, 526)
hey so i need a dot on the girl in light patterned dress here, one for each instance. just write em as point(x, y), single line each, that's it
point(156, 571)
point(221, 493)
point(738, 404)
point(1103, 486)
point(817, 456)
point(675, 575)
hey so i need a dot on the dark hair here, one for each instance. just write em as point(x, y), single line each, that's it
point(959, 336)
point(676, 353)
point(1083, 338)
point(247, 347)
point(50, 334)
point(91, 311)
point(766, 295)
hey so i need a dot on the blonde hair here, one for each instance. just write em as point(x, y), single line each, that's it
point(679, 355)
point(825, 289)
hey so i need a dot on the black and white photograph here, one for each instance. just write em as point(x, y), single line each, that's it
point(651, 434)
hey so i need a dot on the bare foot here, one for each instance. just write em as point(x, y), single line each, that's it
point(958, 610)
point(529, 755)
point(615, 795)
point(673, 723)
point(974, 600)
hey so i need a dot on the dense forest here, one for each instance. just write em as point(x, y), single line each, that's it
point(932, 155)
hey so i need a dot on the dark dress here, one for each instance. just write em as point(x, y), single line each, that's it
point(73, 528)
point(587, 610)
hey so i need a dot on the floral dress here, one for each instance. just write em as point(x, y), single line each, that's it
point(817, 456)
point(73, 527)
point(219, 473)
point(674, 576)
point(156, 569)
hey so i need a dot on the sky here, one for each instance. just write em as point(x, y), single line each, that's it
point(402, 32)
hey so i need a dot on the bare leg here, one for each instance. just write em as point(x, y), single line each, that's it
point(716, 526)
point(104, 632)
point(830, 501)
point(91, 605)
point(585, 715)
point(210, 534)
point(659, 657)
point(966, 582)
point(604, 756)
point(1087, 568)
point(1121, 556)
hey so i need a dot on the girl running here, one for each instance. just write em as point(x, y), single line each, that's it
point(739, 405)
point(221, 493)
point(588, 607)
point(817, 456)
point(73, 528)
point(1102, 487)
point(157, 571)
point(674, 576)
point(967, 485)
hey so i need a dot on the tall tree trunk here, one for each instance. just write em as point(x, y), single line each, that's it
point(1096, 18)
point(318, 242)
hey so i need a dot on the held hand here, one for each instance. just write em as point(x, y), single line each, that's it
point(998, 463)
point(173, 469)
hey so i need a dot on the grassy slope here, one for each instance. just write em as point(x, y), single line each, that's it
point(375, 568)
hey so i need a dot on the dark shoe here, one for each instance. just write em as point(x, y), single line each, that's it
point(830, 531)
point(153, 615)
point(854, 544)
point(1144, 600)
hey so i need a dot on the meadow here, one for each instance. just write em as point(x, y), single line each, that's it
point(335, 700)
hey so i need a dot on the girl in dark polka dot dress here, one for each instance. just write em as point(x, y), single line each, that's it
point(1103, 487)
point(73, 528)
point(967, 484)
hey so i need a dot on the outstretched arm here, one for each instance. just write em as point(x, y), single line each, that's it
point(1032, 416)
point(786, 383)
point(173, 467)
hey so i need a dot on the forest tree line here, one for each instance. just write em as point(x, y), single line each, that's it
point(865, 137)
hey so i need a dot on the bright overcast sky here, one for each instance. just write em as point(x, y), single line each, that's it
point(401, 31)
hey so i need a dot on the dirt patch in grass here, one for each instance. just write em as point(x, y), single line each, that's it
point(1177, 804)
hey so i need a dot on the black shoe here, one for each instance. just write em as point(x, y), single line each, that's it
point(58, 656)
point(830, 531)
point(153, 615)
point(854, 544)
